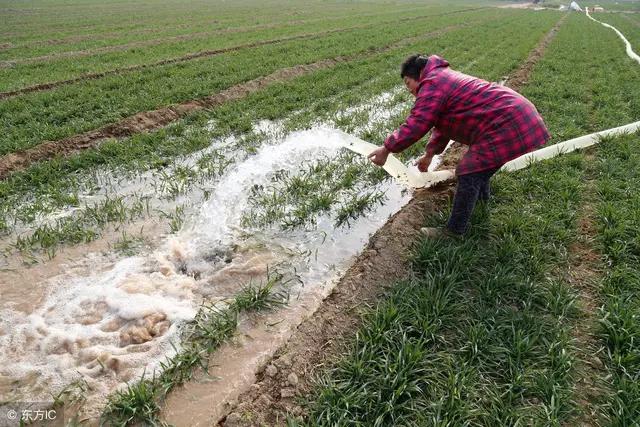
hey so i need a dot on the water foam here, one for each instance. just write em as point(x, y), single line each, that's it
point(111, 326)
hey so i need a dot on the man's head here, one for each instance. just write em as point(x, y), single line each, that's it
point(410, 72)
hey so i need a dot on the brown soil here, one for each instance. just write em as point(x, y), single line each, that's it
point(520, 78)
point(453, 155)
point(321, 337)
point(150, 120)
point(584, 270)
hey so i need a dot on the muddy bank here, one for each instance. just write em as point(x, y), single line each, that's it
point(269, 384)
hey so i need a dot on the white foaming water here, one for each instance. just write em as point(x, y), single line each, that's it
point(121, 321)
point(223, 211)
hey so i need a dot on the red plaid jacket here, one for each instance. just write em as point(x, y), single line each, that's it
point(496, 122)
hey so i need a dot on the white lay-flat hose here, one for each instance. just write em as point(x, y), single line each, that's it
point(630, 51)
point(414, 179)
point(395, 167)
point(566, 147)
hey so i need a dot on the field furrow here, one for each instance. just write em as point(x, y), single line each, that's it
point(79, 108)
point(186, 239)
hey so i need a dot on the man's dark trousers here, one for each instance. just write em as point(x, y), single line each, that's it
point(471, 188)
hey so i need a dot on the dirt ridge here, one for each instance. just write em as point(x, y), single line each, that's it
point(150, 120)
point(585, 269)
point(94, 76)
point(521, 76)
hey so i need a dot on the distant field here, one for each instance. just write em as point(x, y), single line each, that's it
point(609, 5)
point(155, 149)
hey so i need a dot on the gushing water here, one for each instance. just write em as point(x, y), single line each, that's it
point(109, 327)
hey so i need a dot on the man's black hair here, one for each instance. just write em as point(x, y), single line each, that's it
point(413, 66)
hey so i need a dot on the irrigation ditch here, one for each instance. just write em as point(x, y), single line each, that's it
point(284, 348)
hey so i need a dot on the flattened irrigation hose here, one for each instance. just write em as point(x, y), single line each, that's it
point(414, 179)
point(630, 51)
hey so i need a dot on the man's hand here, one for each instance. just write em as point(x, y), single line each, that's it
point(424, 162)
point(379, 156)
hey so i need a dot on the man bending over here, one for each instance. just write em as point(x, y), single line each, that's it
point(497, 124)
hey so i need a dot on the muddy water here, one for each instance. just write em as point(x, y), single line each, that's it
point(106, 321)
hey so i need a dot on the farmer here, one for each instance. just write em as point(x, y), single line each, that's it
point(496, 123)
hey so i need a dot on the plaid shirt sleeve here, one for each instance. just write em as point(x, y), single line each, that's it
point(437, 143)
point(424, 114)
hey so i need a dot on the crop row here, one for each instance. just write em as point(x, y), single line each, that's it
point(617, 207)
point(51, 115)
point(106, 18)
point(30, 71)
point(323, 94)
point(481, 334)
point(195, 29)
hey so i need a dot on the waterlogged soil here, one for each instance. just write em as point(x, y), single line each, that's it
point(33, 271)
point(105, 319)
point(319, 339)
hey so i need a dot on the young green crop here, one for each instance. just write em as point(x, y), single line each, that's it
point(34, 69)
point(617, 221)
point(494, 314)
point(481, 335)
point(41, 21)
point(332, 91)
point(201, 27)
point(29, 119)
